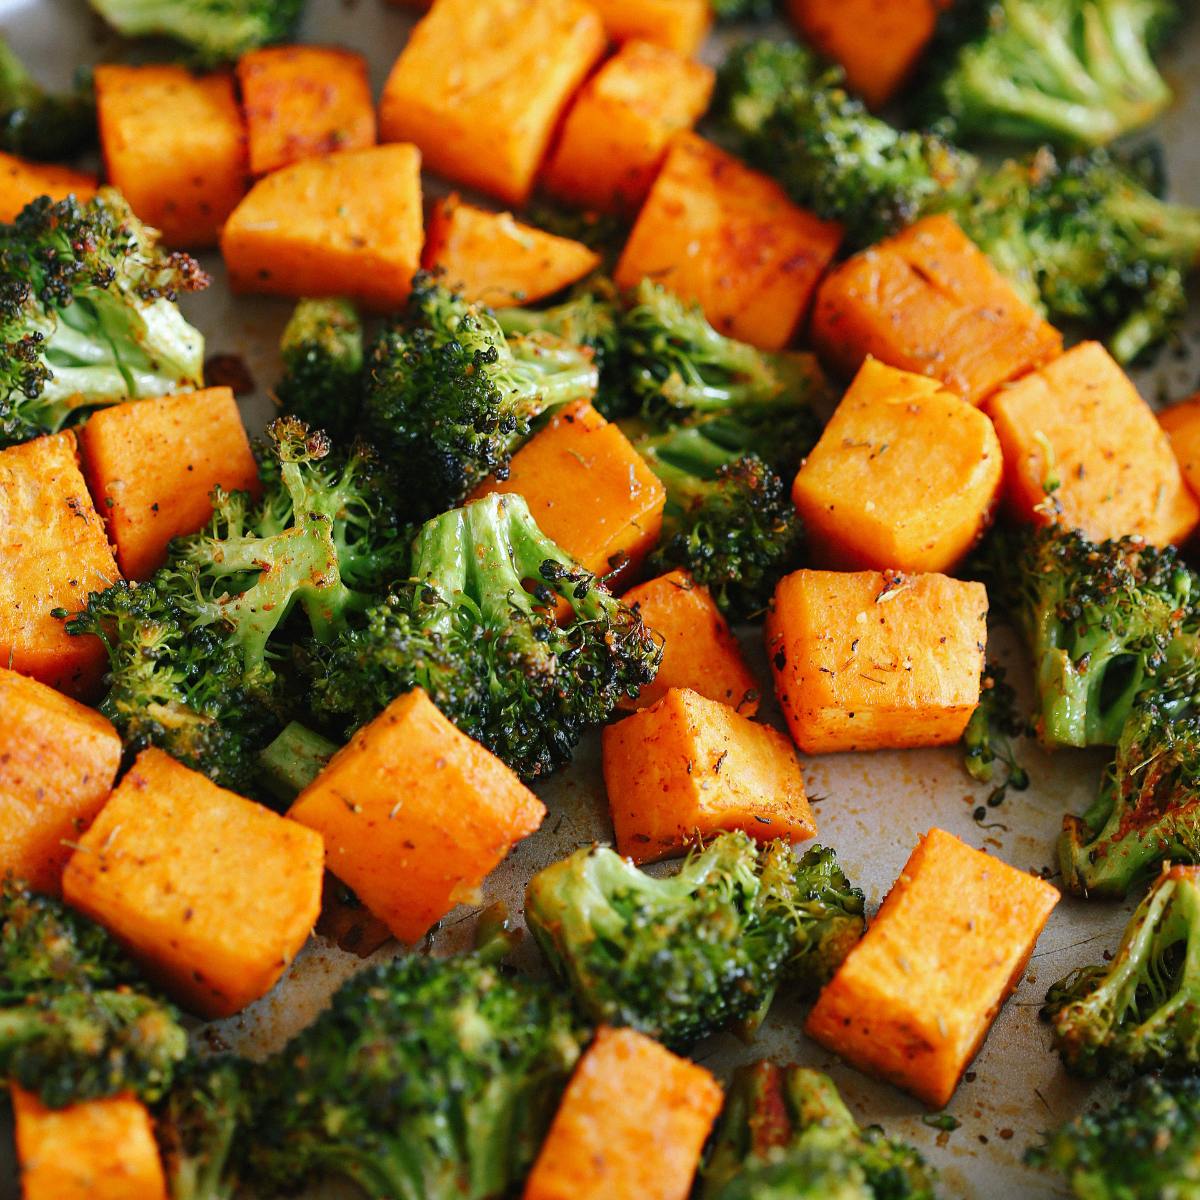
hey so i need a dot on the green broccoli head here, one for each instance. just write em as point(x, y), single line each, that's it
point(1144, 1145)
point(681, 957)
point(88, 314)
point(35, 123)
point(492, 654)
point(215, 31)
point(449, 398)
point(322, 351)
point(786, 1134)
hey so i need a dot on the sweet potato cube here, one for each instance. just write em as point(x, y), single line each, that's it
point(303, 102)
point(929, 300)
point(175, 146)
point(904, 476)
point(152, 465)
point(349, 224)
point(480, 87)
point(616, 134)
point(915, 998)
point(1182, 423)
point(680, 25)
point(716, 232)
point(491, 258)
point(94, 1150)
point(699, 652)
point(876, 63)
point(1082, 448)
point(54, 552)
point(22, 181)
point(589, 490)
point(628, 1096)
point(58, 760)
point(689, 768)
point(214, 894)
point(415, 814)
point(876, 660)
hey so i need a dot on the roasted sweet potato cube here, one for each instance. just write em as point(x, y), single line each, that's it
point(904, 476)
point(152, 466)
point(616, 134)
point(54, 552)
point(915, 998)
point(175, 146)
point(589, 490)
point(21, 182)
point(303, 102)
point(628, 1094)
point(1182, 423)
point(212, 893)
point(1082, 448)
point(716, 232)
point(349, 224)
point(58, 760)
point(873, 660)
point(689, 768)
point(699, 651)
point(94, 1150)
point(496, 260)
point(480, 87)
point(680, 25)
point(415, 815)
point(929, 300)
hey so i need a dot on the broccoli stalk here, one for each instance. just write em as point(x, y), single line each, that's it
point(322, 351)
point(88, 314)
point(293, 760)
point(681, 957)
point(35, 123)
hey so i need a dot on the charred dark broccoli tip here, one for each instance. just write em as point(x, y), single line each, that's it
point(322, 351)
point(36, 123)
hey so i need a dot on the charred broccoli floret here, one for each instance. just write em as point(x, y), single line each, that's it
point(88, 314)
point(688, 955)
point(990, 732)
point(1145, 1145)
point(786, 1134)
point(322, 352)
point(449, 397)
point(76, 1022)
point(35, 123)
point(492, 655)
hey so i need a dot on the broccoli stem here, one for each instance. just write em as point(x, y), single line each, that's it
point(293, 760)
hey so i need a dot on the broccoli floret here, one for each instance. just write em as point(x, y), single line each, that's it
point(492, 655)
point(990, 732)
point(786, 1134)
point(35, 123)
point(1145, 1145)
point(76, 1023)
point(743, 10)
point(214, 30)
point(1073, 72)
point(681, 957)
point(322, 351)
point(88, 314)
point(449, 398)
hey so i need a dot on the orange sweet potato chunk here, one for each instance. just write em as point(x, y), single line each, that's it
point(876, 660)
point(915, 998)
point(415, 814)
point(589, 490)
point(175, 146)
point(699, 651)
point(718, 233)
point(349, 224)
point(680, 25)
point(905, 476)
point(616, 134)
point(94, 1150)
point(54, 552)
point(495, 260)
point(152, 466)
point(1182, 423)
point(303, 102)
point(1082, 448)
point(631, 1124)
point(212, 893)
point(22, 181)
point(58, 760)
point(480, 87)
point(689, 768)
point(929, 300)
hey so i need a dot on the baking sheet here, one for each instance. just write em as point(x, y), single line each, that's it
point(870, 807)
